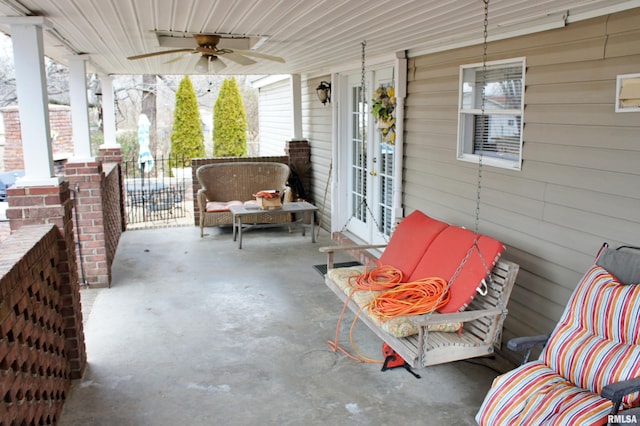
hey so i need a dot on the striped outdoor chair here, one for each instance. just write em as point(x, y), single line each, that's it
point(590, 366)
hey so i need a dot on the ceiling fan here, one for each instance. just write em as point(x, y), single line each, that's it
point(210, 54)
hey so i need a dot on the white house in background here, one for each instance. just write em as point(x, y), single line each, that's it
point(276, 113)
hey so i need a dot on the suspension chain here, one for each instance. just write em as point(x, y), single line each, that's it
point(363, 127)
point(485, 44)
point(484, 286)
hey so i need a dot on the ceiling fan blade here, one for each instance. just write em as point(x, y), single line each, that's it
point(165, 52)
point(239, 59)
point(259, 55)
point(179, 58)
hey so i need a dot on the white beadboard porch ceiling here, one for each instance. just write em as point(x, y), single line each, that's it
point(313, 36)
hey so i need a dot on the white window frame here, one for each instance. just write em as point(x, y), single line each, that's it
point(465, 148)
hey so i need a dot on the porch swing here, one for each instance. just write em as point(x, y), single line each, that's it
point(465, 314)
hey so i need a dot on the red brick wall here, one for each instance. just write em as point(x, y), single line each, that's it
point(299, 153)
point(35, 369)
point(99, 217)
point(61, 135)
point(114, 155)
point(53, 205)
point(112, 213)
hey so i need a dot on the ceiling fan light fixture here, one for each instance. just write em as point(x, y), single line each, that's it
point(202, 65)
point(216, 64)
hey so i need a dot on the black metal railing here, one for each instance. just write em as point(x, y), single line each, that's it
point(157, 192)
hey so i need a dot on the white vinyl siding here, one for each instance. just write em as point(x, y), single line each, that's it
point(276, 117)
point(317, 128)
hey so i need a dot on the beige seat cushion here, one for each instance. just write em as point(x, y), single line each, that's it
point(400, 326)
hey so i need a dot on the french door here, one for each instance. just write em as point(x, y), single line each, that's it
point(369, 161)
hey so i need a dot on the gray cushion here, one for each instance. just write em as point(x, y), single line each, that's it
point(623, 264)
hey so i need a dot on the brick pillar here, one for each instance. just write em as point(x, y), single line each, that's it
point(53, 205)
point(85, 178)
point(110, 154)
point(13, 155)
point(299, 153)
point(113, 154)
point(61, 135)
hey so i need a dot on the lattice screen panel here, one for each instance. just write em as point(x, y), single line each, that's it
point(34, 373)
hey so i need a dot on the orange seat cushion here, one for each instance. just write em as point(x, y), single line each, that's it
point(410, 241)
point(446, 253)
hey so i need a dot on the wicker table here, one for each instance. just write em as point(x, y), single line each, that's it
point(238, 212)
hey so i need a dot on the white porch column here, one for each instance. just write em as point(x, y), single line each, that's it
point(79, 106)
point(33, 101)
point(108, 112)
point(296, 99)
point(401, 94)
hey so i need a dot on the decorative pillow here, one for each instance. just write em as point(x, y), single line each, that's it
point(624, 265)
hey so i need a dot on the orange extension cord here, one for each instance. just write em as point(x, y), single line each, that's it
point(413, 298)
point(380, 278)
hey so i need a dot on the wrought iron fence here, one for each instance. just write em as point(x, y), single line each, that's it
point(156, 189)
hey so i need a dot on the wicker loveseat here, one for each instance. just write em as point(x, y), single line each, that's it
point(226, 184)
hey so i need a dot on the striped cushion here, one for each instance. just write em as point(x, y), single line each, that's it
point(594, 344)
point(535, 395)
point(596, 340)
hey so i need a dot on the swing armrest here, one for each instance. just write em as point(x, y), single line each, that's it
point(330, 250)
point(449, 318)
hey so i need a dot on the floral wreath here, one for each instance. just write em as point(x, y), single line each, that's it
point(383, 106)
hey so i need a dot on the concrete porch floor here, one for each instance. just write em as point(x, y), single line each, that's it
point(195, 331)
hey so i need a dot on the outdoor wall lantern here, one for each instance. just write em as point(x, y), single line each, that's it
point(324, 92)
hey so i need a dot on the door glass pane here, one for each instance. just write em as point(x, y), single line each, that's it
point(386, 188)
point(359, 155)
